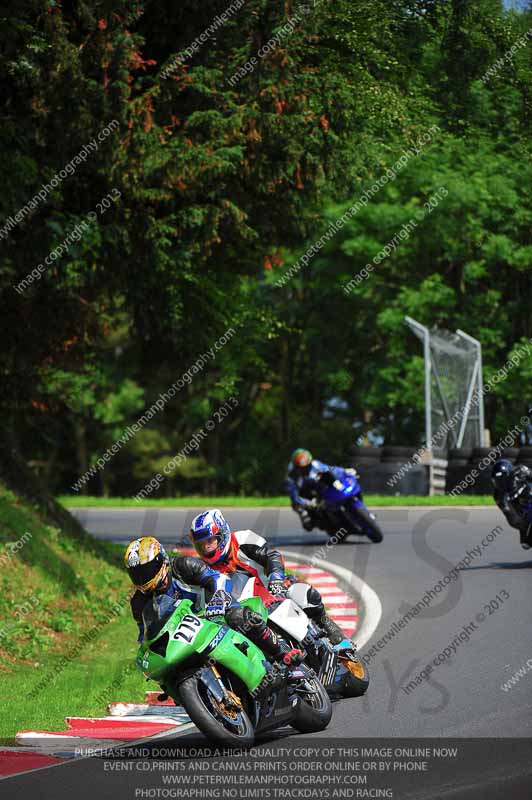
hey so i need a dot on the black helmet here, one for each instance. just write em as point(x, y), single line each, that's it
point(501, 474)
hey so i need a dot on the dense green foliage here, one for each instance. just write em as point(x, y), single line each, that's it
point(215, 187)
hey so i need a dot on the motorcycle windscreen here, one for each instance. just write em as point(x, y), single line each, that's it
point(244, 586)
point(241, 585)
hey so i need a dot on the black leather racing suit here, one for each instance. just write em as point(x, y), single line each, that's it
point(188, 576)
point(513, 501)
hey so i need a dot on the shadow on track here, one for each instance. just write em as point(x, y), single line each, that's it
point(500, 565)
point(193, 745)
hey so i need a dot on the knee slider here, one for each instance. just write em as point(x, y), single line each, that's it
point(235, 617)
point(243, 619)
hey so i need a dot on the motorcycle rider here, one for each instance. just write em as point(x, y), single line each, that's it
point(245, 551)
point(152, 572)
point(302, 481)
point(513, 493)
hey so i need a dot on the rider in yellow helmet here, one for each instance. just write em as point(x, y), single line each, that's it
point(152, 572)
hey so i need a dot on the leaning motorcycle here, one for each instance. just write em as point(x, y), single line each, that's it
point(222, 679)
point(340, 511)
point(521, 503)
point(337, 666)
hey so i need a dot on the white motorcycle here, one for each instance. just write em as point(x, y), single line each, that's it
point(337, 666)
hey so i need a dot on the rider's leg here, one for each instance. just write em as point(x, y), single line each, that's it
point(311, 602)
point(305, 516)
point(251, 624)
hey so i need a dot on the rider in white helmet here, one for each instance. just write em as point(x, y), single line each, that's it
point(246, 551)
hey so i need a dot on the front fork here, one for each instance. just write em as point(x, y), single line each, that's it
point(357, 502)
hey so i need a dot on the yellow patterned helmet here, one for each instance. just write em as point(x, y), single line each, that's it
point(147, 563)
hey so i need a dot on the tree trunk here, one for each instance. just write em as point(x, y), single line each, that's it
point(18, 477)
point(81, 450)
point(285, 388)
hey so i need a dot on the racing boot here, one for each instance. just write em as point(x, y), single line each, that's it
point(306, 519)
point(525, 535)
point(333, 631)
point(278, 650)
point(280, 656)
point(252, 625)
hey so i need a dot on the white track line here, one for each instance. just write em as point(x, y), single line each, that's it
point(369, 599)
point(106, 746)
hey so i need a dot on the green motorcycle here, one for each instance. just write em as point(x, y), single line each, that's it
point(222, 679)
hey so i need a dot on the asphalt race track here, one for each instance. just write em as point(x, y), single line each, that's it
point(462, 698)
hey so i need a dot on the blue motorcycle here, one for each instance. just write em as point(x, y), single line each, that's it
point(339, 508)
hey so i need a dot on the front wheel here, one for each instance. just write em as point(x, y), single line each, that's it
point(340, 535)
point(314, 708)
point(367, 523)
point(221, 722)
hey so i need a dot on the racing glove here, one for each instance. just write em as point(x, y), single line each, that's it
point(218, 604)
point(277, 587)
point(293, 656)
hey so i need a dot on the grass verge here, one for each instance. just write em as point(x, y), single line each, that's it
point(197, 501)
point(65, 624)
point(103, 672)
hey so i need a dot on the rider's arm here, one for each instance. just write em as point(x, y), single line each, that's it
point(291, 487)
point(137, 603)
point(324, 469)
point(194, 571)
point(255, 547)
point(501, 498)
point(521, 475)
point(351, 471)
point(341, 472)
point(520, 493)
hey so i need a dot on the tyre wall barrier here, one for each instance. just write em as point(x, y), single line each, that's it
point(378, 465)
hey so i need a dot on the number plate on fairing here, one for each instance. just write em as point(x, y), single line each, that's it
point(188, 629)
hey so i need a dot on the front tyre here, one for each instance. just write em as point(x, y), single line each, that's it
point(340, 535)
point(314, 708)
point(367, 523)
point(222, 723)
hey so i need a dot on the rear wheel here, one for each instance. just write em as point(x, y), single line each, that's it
point(314, 708)
point(222, 722)
point(367, 523)
point(356, 681)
